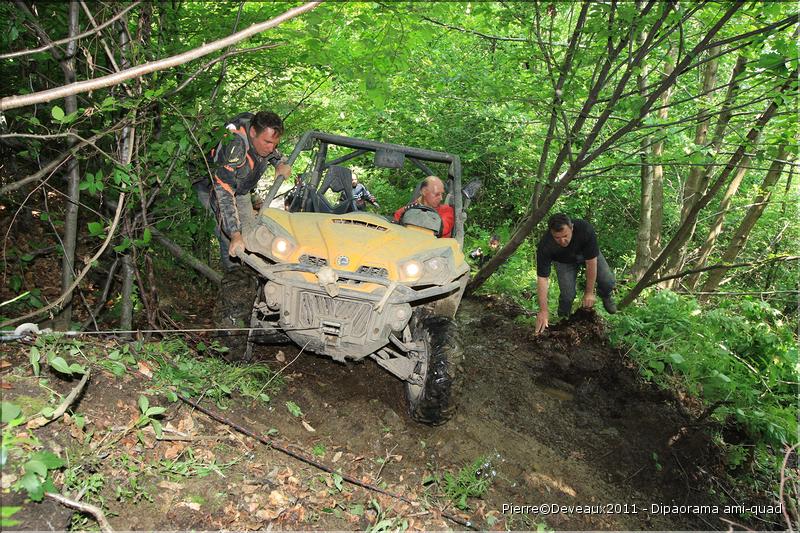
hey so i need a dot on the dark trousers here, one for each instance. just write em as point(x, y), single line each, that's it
point(568, 277)
point(203, 196)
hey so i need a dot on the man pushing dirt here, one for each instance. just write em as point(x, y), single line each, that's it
point(569, 244)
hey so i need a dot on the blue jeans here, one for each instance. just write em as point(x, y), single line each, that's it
point(568, 277)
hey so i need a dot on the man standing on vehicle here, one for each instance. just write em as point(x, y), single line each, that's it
point(570, 244)
point(431, 194)
point(237, 164)
point(361, 196)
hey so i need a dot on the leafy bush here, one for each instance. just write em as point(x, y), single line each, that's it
point(742, 353)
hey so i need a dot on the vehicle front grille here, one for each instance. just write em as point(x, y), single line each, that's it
point(375, 272)
point(306, 259)
point(359, 223)
point(316, 309)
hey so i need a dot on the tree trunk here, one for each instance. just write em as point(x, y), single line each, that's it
point(719, 220)
point(758, 205)
point(682, 235)
point(657, 210)
point(700, 175)
point(126, 313)
point(695, 185)
point(643, 254)
point(70, 238)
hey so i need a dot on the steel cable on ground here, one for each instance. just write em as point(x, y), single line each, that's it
point(272, 444)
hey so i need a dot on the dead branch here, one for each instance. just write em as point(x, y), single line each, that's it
point(80, 276)
point(12, 102)
point(68, 39)
point(41, 421)
point(95, 511)
point(181, 254)
point(307, 460)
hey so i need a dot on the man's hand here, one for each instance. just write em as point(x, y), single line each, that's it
point(541, 321)
point(588, 300)
point(237, 245)
point(283, 170)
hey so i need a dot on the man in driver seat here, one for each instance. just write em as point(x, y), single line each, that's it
point(431, 194)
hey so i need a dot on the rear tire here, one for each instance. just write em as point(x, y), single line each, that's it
point(434, 402)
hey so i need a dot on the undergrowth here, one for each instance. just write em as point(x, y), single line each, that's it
point(740, 359)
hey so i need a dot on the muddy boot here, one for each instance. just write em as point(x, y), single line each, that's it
point(233, 309)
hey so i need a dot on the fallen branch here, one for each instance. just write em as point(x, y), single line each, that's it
point(96, 512)
point(186, 257)
point(272, 444)
point(41, 421)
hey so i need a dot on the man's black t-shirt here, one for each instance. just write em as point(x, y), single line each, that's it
point(583, 246)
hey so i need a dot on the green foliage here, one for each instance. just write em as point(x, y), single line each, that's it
point(471, 481)
point(742, 353)
point(56, 350)
point(179, 368)
point(294, 409)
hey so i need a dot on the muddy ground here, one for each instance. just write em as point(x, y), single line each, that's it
point(560, 419)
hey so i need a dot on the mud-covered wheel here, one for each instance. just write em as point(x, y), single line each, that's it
point(434, 401)
point(232, 312)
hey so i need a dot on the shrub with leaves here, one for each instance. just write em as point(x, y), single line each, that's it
point(742, 353)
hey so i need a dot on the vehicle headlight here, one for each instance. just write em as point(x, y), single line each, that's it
point(282, 248)
point(411, 270)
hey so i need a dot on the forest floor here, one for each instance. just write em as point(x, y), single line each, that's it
point(560, 419)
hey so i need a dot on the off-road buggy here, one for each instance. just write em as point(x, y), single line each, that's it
point(351, 285)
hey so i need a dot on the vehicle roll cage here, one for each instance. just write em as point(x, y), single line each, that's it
point(387, 155)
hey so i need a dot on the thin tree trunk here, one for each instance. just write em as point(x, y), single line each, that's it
point(643, 253)
point(681, 236)
point(699, 175)
point(126, 313)
point(70, 238)
point(719, 220)
point(775, 245)
point(184, 256)
point(657, 210)
point(695, 185)
point(535, 212)
point(755, 211)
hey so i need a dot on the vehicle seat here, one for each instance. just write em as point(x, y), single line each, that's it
point(339, 180)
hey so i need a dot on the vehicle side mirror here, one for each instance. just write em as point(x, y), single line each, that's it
point(389, 159)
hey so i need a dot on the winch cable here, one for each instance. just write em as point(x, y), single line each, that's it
point(350, 479)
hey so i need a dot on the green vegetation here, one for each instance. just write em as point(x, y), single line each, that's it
point(471, 481)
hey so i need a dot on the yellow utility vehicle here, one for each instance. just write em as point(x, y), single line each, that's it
point(351, 284)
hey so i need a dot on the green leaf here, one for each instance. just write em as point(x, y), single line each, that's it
point(171, 396)
point(294, 409)
point(144, 403)
point(96, 228)
point(35, 467)
point(153, 411)
point(33, 486)
point(147, 235)
point(156, 427)
point(8, 412)
point(8, 512)
point(58, 113)
point(337, 481)
point(676, 358)
point(50, 460)
point(44, 216)
point(75, 368)
point(357, 509)
point(60, 365)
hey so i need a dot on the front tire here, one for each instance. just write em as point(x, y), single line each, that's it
point(434, 401)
